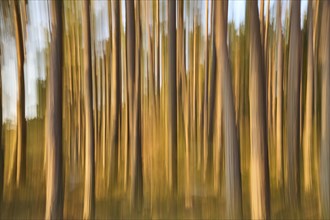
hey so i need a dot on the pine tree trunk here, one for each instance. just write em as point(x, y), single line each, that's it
point(89, 188)
point(21, 122)
point(54, 182)
point(307, 132)
point(325, 109)
point(232, 163)
point(259, 177)
point(293, 106)
point(172, 94)
point(279, 103)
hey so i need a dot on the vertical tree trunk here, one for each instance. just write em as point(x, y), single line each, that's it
point(233, 176)
point(54, 192)
point(115, 89)
point(259, 176)
point(261, 15)
point(172, 94)
point(89, 188)
point(205, 101)
point(2, 148)
point(293, 106)
point(325, 110)
point(279, 103)
point(307, 132)
point(21, 122)
point(133, 58)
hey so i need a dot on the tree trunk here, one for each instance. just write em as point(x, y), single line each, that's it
point(307, 132)
point(133, 58)
point(259, 177)
point(54, 192)
point(115, 89)
point(89, 189)
point(279, 103)
point(2, 148)
point(293, 106)
point(21, 122)
point(325, 119)
point(172, 94)
point(233, 176)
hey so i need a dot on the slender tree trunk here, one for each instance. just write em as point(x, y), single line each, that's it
point(172, 94)
point(54, 192)
point(261, 15)
point(115, 89)
point(2, 148)
point(89, 188)
point(279, 103)
point(259, 176)
point(293, 106)
point(133, 58)
point(307, 132)
point(232, 163)
point(325, 110)
point(21, 122)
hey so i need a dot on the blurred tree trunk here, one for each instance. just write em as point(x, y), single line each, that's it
point(54, 187)
point(279, 102)
point(307, 132)
point(260, 195)
point(233, 176)
point(89, 188)
point(205, 98)
point(172, 94)
point(261, 15)
point(325, 110)
point(294, 77)
point(2, 148)
point(133, 59)
point(21, 122)
point(115, 89)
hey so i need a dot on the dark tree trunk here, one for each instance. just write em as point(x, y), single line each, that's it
point(172, 94)
point(293, 103)
point(21, 122)
point(54, 192)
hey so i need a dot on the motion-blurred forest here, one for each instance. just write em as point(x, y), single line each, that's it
point(164, 109)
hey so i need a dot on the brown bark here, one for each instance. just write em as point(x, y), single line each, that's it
point(115, 89)
point(21, 121)
point(133, 59)
point(89, 188)
point(232, 163)
point(172, 94)
point(259, 176)
point(54, 191)
point(279, 100)
point(307, 132)
point(293, 106)
point(324, 55)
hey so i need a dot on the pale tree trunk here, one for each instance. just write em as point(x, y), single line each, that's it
point(279, 100)
point(172, 94)
point(259, 177)
point(115, 88)
point(54, 181)
point(325, 110)
point(232, 164)
point(21, 122)
point(133, 59)
point(205, 101)
point(89, 188)
point(293, 106)
point(307, 132)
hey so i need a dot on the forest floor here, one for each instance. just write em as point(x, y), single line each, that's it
point(28, 201)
